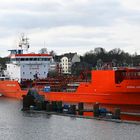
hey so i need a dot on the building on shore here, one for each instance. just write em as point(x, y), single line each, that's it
point(66, 61)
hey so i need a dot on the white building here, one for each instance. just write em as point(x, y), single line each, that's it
point(67, 60)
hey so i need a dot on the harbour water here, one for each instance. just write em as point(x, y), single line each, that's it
point(18, 125)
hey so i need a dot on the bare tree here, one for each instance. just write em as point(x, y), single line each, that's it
point(43, 51)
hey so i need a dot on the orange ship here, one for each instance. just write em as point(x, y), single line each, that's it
point(110, 88)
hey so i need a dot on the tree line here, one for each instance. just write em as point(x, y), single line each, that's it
point(98, 57)
point(116, 57)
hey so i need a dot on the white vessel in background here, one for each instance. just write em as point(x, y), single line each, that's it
point(27, 66)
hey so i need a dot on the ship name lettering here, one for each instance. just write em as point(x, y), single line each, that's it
point(11, 85)
point(130, 86)
point(133, 86)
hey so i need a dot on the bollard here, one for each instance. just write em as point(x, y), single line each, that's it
point(44, 103)
point(38, 105)
point(49, 107)
point(59, 106)
point(117, 113)
point(26, 104)
point(72, 109)
point(28, 100)
point(80, 108)
point(96, 110)
point(54, 106)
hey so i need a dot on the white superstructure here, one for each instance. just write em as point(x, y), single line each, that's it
point(27, 66)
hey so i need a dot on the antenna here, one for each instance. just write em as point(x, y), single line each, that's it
point(24, 43)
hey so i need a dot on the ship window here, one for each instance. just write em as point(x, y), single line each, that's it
point(44, 72)
point(17, 59)
point(31, 59)
point(30, 72)
point(26, 59)
point(35, 59)
point(46, 59)
point(22, 59)
point(13, 59)
point(23, 72)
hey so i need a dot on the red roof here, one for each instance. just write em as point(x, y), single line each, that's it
point(32, 54)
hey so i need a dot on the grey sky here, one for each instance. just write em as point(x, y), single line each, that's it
point(75, 25)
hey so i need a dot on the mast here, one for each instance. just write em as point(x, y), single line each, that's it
point(24, 43)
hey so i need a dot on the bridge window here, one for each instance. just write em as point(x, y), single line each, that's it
point(13, 59)
point(17, 59)
point(22, 59)
point(31, 59)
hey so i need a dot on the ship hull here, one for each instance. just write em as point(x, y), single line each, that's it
point(110, 101)
point(102, 90)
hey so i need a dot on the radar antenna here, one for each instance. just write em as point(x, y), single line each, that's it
point(24, 43)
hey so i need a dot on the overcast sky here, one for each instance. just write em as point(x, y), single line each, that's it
point(71, 25)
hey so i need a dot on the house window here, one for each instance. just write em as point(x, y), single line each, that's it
point(23, 72)
point(30, 72)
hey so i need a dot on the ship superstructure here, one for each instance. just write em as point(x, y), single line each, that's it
point(27, 66)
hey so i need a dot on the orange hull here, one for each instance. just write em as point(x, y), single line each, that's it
point(111, 89)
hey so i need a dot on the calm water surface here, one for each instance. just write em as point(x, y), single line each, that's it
point(17, 125)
